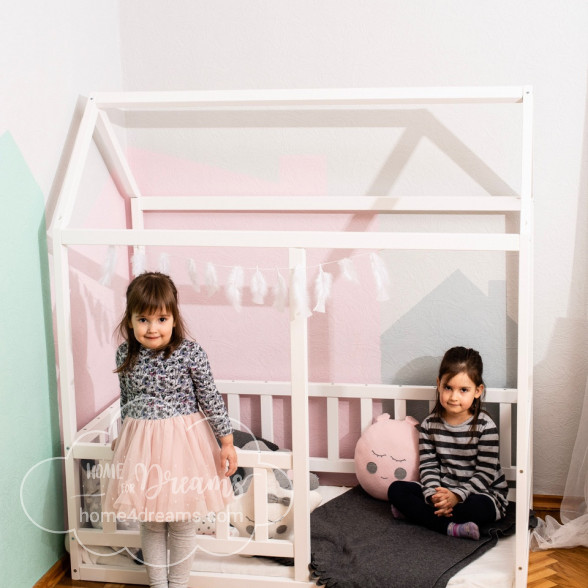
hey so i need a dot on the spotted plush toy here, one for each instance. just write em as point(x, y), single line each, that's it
point(387, 451)
point(280, 509)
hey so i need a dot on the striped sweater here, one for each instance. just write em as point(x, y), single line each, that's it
point(463, 461)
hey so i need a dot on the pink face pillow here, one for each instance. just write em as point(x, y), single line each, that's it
point(387, 451)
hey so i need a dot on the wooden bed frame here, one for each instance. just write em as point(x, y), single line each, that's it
point(91, 441)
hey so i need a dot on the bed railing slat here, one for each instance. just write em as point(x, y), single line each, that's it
point(222, 525)
point(333, 428)
point(367, 413)
point(400, 409)
point(505, 420)
point(234, 408)
point(267, 416)
point(260, 503)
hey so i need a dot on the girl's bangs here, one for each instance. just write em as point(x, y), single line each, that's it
point(154, 301)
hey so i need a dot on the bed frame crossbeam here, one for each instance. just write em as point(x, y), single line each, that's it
point(294, 239)
point(325, 98)
point(350, 204)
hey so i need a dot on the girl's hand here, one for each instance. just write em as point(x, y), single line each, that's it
point(228, 454)
point(444, 500)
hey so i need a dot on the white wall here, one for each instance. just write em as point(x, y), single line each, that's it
point(187, 45)
point(51, 54)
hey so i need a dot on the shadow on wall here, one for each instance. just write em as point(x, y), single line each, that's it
point(559, 395)
point(413, 347)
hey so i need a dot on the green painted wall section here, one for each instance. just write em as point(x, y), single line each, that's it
point(31, 474)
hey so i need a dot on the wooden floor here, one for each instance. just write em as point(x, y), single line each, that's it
point(561, 568)
point(556, 568)
point(565, 568)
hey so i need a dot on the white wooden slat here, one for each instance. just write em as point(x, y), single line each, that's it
point(241, 545)
point(138, 575)
point(400, 409)
point(339, 465)
point(276, 459)
point(505, 420)
point(267, 416)
point(99, 537)
point(293, 239)
point(102, 421)
point(333, 428)
point(114, 157)
point(374, 391)
point(367, 413)
point(234, 407)
point(88, 450)
point(75, 167)
point(260, 504)
point(353, 204)
point(222, 525)
point(73, 506)
point(300, 430)
point(307, 97)
point(524, 480)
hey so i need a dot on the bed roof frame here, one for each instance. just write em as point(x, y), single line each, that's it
point(96, 126)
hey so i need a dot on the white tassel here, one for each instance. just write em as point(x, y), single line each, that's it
point(138, 262)
point(348, 270)
point(299, 292)
point(193, 273)
point(258, 287)
point(322, 289)
point(211, 279)
point(280, 292)
point(381, 277)
point(109, 266)
point(234, 287)
point(164, 263)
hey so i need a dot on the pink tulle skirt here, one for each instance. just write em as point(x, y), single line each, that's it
point(166, 470)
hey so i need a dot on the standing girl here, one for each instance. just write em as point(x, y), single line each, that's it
point(169, 469)
point(462, 485)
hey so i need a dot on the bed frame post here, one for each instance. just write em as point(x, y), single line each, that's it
point(300, 430)
point(524, 474)
point(63, 212)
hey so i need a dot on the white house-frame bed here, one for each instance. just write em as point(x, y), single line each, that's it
point(91, 442)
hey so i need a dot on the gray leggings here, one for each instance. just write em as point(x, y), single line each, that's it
point(179, 537)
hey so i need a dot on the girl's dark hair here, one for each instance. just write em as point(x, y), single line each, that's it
point(458, 360)
point(147, 294)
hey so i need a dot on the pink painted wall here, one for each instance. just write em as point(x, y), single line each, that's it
point(253, 343)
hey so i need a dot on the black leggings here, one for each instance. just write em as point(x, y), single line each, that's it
point(408, 498)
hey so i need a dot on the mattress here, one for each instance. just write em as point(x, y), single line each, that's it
point(495, 568)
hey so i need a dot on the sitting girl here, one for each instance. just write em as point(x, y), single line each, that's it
point(462, 484)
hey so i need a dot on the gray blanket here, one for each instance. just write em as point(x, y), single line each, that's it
point(356, 543)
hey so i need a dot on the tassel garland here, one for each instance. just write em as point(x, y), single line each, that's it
point(322, 289)
point(138, 262)
point(258, 287)
point(164, 263)
point(296, 295)
point(280, 292)
point(234, 287)
point(211, 279)
point(381, 277)
point(193, 273)
point(109, 266)
point(299, 294)
point(348, 270)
